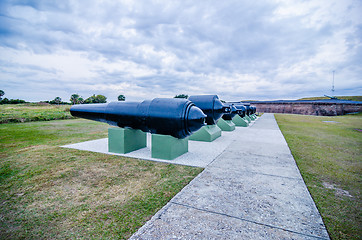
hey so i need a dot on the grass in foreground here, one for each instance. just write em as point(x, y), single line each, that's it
point(27, 112)
point(328, 155)
point(48, 192)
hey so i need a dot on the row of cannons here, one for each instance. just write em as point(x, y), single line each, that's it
point(171, 122)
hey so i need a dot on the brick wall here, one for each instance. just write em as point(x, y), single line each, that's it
point(315, 108)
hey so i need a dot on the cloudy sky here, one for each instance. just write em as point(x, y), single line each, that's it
point(264, 49)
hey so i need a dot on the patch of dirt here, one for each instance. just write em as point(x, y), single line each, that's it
point(33, 148)
point(339, 191)
point(91, 186)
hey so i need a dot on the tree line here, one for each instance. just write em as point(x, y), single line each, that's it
point(74, 99)
point(77, 99)
point(9, 101)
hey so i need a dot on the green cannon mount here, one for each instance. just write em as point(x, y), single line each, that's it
point(226, 125)
point(240, 122)
point(207, 133)
point(125, 140)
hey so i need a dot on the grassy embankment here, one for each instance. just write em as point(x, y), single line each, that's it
point(329, 157)
point(33, 112)
point(352, 98)
point(48, 192)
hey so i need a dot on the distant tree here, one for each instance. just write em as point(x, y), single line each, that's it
point(16, 101)
point(80, 100)
point(121, 98)
point(182, 96)
point(96, 99)
point(5, 101)
point(74, 98)
point(9, 101)
point(91, 99)
point(57, 100)
point(101, 99)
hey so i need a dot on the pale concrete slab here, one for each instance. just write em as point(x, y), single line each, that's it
point(270, 200)
point(200, 154)
point(257, 148)
point(252, 190)
point(176, 221)
point(282, 165)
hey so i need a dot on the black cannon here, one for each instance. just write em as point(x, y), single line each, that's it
point(241, 108)
point(211, 106)
point(234, 111)
point(253, 109)
point(245, 107)
point(248, 108)
point(168, 116)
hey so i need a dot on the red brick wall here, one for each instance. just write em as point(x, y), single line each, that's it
point(319, 109)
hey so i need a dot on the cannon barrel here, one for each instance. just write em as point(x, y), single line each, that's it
point(248, 108)
point(168, 116)
point(232, 113)
point(241, 109)
point(253, 109)
point(211, 106)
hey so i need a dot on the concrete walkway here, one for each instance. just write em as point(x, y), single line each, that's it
point(252, 190)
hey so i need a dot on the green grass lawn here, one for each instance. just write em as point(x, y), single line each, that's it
point(48, 192)
point(329, 157)
point(33, 112)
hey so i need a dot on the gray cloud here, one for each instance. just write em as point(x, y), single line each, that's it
point(237, 49)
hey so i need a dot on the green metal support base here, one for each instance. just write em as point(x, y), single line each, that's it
point(252, 117)
point(124, 140)
point(168, 147)
point(240, 122)
point(247, 118)
point(226, 125)
point(207, 133)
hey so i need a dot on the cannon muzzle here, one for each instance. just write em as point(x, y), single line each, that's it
point(211, 106)
point(232, 113)
point(248, 109)
point(241, 109)
point(253, 109)
point(168, 116)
